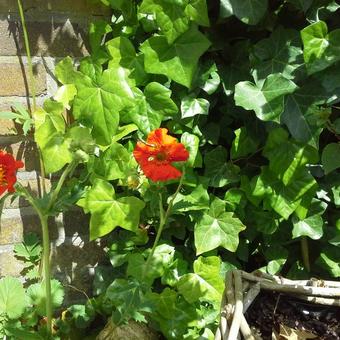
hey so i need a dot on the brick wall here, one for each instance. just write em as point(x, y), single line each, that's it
point(56, 28)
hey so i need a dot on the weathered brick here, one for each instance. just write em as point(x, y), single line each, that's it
point(13, 78)
point(46, 38)
point(9, 264)
point(62, 6)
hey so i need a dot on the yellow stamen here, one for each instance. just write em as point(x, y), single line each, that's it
point(2, 175)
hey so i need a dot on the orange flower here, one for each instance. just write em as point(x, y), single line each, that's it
point(156, 155)
point(8, 169)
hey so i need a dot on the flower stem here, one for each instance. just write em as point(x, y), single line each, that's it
point(29, 58)
point(47, 271)
point(163, 218)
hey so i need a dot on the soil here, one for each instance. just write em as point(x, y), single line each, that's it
point(270, 310)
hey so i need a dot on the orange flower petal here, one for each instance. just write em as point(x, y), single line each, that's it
point(160, 172)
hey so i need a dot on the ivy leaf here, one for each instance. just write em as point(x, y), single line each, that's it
point(330, 260)
point(170, 16)
point(331, 157)
point(321, 49)
point(128, 296)
point(265, 98)
point(310, 226)
point(49, 135)
point(152, 107)
point(191, 143)
point(177, 61)
point(174, 314)
point(218, 170)
point(280, 53)
point(191, 106)
point(206, 283)
point(107, 212)
point(12, 297)
point(243, 144)
point(217, 228)
point(97, 30)
point(114, 163)
point(197, 199)
point(276, 257)
point(248, 11)
point(197, 11)
point(123, 54)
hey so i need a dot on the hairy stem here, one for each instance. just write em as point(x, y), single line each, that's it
point(47, 271)
point(162, 221)
point(29, 58)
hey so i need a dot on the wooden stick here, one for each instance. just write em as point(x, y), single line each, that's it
point(296, 289)
point(251, 295)
point(245, 329)
point(318, 300)
point(235, 325)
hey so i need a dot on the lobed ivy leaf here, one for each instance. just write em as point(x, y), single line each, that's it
point(177, 61)
point(205, 284)
point(191, 106)
point(248, 11)
point(321, 49)
point(243, 144)
point(331, 157)
point(265, 98)
point(217, 228)
point(109, 212)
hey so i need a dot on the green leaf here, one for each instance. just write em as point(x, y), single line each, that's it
point(65, 94)
point(197, 199)
point(30, 249)
point(152, 107)
point(107, 212)
point(217, 228)
point(280, 53)
point(248, 11)
point(37, 296)
point(97, 30)
point(197, 11)
point(330, 260)
point(310, 226)
point(177, 61)
point(206, 283)
point(266, 98)
point(115, 163)
point(331, 157)
point(170, 17)
point(276, 257)
point(303, 5)
point(303, 113)
point(191, 143)
point(123, 131)
point(191, 106)
point(128, 297)
point(49, 135)
point(243, 144)
point(218, 170)
point(122, 54)
point(321, 49)
point(12, 297)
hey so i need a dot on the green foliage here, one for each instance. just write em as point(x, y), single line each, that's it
point(252, 89)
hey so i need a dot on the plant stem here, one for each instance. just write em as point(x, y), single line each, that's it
point(47, 271)
point(163, 218)
point(305, 253)
point(29, 59)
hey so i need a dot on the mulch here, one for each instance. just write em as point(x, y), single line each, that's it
point(270, 310)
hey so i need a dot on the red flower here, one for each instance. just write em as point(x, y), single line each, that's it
point(156, 155)
point(8, 169)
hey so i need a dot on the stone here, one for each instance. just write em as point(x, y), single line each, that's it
point(9, 264)
point(46, 38)
point(14, 75)
point(131, 331)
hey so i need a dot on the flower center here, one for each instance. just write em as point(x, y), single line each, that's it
point(161, 156)
point(2, 175)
